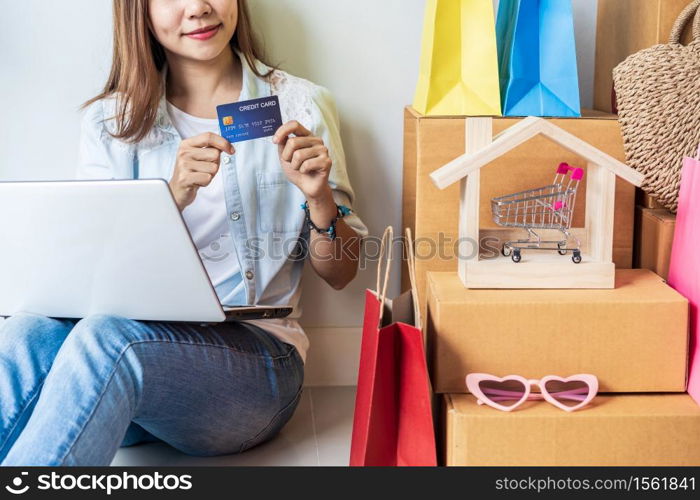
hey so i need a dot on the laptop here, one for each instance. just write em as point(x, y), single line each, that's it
point(79, 247)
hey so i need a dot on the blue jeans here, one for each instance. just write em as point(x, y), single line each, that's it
point(73, 391)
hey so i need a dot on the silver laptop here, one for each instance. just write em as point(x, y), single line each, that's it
point(69, 249)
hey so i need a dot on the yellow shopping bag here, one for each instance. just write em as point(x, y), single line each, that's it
point(459, 62)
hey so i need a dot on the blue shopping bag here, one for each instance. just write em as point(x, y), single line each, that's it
point(537, 58)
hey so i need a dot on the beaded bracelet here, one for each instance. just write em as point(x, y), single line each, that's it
point(330, 231)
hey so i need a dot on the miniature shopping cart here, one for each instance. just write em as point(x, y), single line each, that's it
point(546, 208)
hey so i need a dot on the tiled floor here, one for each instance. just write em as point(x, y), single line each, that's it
point(318, 434)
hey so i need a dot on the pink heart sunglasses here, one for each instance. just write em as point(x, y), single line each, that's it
point(569, 393)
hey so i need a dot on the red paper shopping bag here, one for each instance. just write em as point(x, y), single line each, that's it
point(393, 422)
point(684, 272)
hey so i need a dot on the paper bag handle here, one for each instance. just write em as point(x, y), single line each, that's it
point(411, 258)
point(698, 156)
point(385, 254)
point(683, 19)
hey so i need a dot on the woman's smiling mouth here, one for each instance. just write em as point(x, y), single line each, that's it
point(204, 33)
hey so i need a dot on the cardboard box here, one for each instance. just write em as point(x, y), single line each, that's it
point(616, 430)
point(433, 215)
point(624, 28)
point(654, 229)
point(633, 338)
point(646, 201)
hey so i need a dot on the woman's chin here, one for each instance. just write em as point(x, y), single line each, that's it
point(204, 54)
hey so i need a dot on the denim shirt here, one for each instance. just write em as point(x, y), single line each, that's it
point(265, 215)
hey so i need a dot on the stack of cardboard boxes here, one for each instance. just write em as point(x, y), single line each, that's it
point(633, 338)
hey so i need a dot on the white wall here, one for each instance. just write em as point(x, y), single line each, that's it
point(55, 55)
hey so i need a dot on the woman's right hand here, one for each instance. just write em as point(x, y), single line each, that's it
point(197, 163)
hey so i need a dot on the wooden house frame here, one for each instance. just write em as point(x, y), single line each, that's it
point(543, 270)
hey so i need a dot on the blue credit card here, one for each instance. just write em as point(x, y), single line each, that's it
point(248, 120)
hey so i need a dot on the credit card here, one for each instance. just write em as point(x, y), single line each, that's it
point(248, 120)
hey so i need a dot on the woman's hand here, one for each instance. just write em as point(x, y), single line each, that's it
point(304, 159)
point(307, 164)
point(197, 163)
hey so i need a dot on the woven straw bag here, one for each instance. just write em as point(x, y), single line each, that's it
point(658, 100)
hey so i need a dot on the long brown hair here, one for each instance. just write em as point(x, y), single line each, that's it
point(137, 62)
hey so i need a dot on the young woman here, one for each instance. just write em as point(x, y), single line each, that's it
point(72, 392)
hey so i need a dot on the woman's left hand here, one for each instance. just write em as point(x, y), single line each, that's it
point(304, 159)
